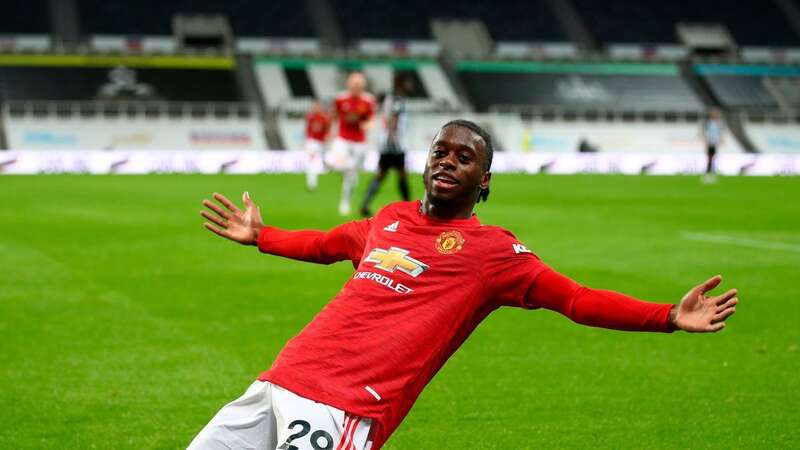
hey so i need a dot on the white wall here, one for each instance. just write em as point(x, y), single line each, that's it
point(616, 137)
point(133, 133)
point(775, 138)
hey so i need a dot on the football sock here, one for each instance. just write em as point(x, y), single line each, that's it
point(349, 182)
point(311, 179)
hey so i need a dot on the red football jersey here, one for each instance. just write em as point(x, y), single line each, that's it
point(421, 286)
point(317, 126)
point(353, 111)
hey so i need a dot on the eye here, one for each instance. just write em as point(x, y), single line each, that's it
point(464, 159)
point(438, 153)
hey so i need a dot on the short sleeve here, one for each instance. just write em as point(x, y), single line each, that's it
point(513, 270)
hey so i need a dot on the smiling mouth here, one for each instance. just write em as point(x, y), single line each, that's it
point(444, 179)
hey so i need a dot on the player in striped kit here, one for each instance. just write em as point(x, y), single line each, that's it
point(394, 118)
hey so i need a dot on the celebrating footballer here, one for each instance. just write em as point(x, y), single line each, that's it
point(426, 274)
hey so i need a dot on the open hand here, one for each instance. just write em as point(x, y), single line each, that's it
point(700, 313)
point(231, 222)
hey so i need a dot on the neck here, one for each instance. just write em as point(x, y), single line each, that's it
point(445, 210)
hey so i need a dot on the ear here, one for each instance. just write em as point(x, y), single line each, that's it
point(486, 179)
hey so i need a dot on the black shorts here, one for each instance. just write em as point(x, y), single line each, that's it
point(711, 150)
point(392, 160)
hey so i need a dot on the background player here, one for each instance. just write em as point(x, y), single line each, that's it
point(318, 124)
point(354, 110)
point(394, 119)
point(427, 273)
point(712, 131)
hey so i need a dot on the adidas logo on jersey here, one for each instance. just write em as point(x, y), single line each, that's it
point(392, 227)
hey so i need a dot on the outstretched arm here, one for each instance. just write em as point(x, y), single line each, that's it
point(696, 312)
point(341, 243)
point(231, 222)
point(246, 227)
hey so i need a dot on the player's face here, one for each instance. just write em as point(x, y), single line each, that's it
point(455, 170)
point(356, 83)
point(408, 86)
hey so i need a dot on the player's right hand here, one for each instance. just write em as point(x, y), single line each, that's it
point(231, 222)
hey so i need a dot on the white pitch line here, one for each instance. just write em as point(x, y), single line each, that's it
point(744, 242)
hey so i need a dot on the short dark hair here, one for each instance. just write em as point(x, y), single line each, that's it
point(487, 139)
point(474, 127)
point(400, 80)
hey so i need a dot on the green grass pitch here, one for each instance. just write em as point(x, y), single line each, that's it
point(124, 324)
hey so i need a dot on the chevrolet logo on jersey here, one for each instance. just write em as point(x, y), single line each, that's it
point(396, 259)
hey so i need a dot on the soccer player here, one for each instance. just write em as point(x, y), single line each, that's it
point(712, 136)
point(318, 123)
point(393, 112)
point(426, 274)
point(354, 110)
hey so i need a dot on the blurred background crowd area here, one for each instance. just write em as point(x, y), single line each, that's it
point(542, 75)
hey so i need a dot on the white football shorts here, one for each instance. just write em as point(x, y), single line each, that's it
point(346, 155)
point(314, 147)
point(268, 417)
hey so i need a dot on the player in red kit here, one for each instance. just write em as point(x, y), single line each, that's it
point(318, 123)
point(426, 274)
point(354, 110)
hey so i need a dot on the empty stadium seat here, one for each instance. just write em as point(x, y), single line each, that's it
point(153, 17)
point(507, 20)
point(751, 22)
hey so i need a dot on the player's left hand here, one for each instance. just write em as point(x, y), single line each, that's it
point(701, 313)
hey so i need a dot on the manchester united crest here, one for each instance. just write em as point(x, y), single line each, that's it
point(449, 242)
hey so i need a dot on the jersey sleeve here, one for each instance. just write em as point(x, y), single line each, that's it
point(595, 307)
point(344, 242)
point(513, 270)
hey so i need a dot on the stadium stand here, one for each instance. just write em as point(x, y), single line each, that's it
point(125, 101)
point(750, 86)
point(28, 81)
point(752, 22)
point(152, 17)
point(289, 84)
point(631, 87)
point(507, 20)
point(785, 91)
point(24, 17)
point(541, 86)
